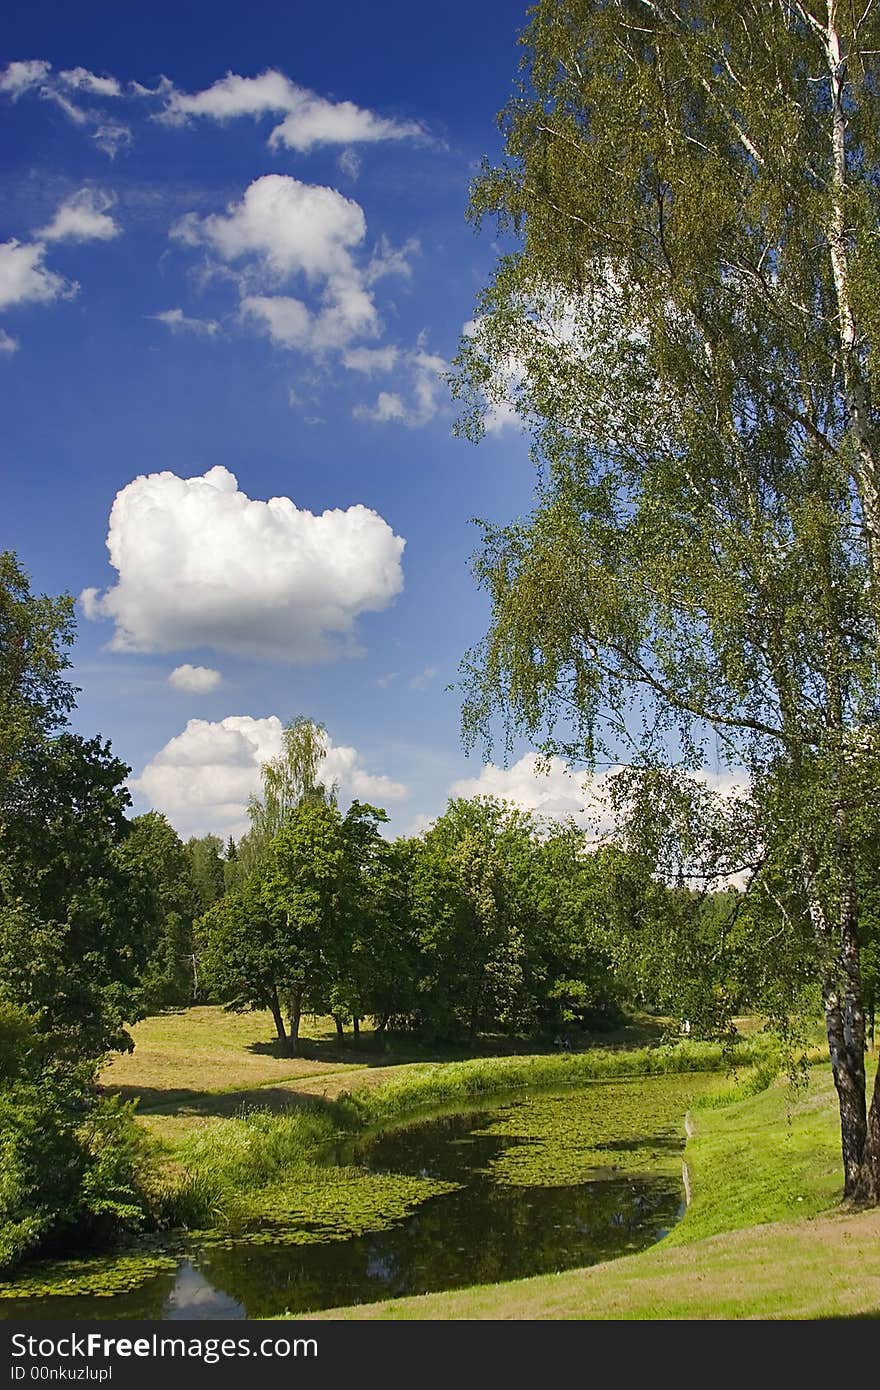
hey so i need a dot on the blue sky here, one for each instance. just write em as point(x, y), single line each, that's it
point(235, 248)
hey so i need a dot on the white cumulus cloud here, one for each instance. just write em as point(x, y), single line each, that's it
point(289, 323)
point(82, 217)
point(202, 779)
point(309, 120)
point(283, 229)
point(292, 226)
point(556, 792)
point(201, 564)
point(194, 680)
point(24, 279)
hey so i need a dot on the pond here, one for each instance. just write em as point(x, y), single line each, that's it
point(531, 1184)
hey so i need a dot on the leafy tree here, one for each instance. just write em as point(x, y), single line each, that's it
point(70, 1160)
point(74, 920)
point(362, 955)
point(472, 951)
point(74, 931)
point(35, 633)
point(689, 326)
point(506, 936)
point(593, 909)
point(154, 850)
point(207, 869)
point(390, 956)
point(292, 938)
point(312, 883)
point(232, 870)
point(287, 780)
point(246, 955)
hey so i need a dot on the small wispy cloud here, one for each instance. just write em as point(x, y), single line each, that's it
point(84, 216)
point(195, 680)
point(423, 679)
point(179, 322)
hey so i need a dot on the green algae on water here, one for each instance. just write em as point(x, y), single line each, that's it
point(100, 1276)
point(330, 1205)
point(596, 1131)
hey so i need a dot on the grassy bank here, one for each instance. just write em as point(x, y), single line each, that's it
point(770, 1158)
point(258, 1164)
point(248, 1137)
point(202, 1064)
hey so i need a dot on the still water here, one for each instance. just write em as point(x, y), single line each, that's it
point(545, 1182)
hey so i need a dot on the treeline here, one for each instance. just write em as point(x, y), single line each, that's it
point(478, 925)
point(490, 922)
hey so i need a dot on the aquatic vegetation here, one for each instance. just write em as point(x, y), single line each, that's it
point(266, 1176)
point(462, 1083)
point(333, 1204)
point(276, 1180)
point(599, 1130)
point(100, 1276)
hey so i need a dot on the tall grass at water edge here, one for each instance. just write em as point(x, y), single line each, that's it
point(215, 1175)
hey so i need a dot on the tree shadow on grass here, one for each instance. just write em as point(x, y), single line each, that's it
point(216, 1104)
point(369, 1051)
point(385, 1049)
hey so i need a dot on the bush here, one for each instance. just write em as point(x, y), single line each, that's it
point(73, 1164)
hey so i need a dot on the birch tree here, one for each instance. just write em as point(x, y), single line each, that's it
point(688, 323)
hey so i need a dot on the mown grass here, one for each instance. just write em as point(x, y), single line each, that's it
point(204, 1051)
point(760, 1153)
point(773, 1156)
point(194, 1052)
point(827, 1268)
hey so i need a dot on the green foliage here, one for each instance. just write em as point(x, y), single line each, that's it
point(75, 924)
point(389, 945)
point(461, 1084)
point(297, 935)
point(105, 1276)
point(154, 851)
point(207, 869)
point(242, 950)
point(35, 633)
point(513, 922)
point(74, 919)
point(273, 1167)
point(688, 323)
point(287, 780)
point(73, 1165)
